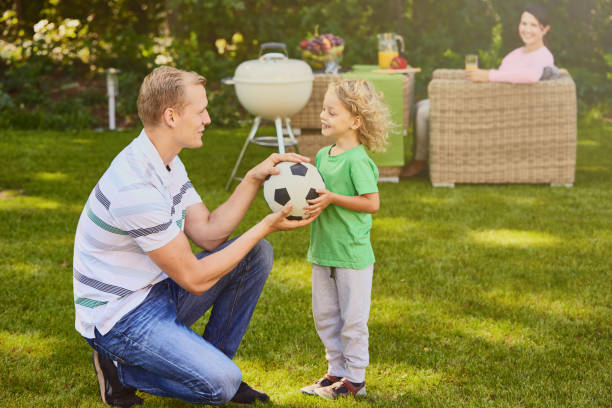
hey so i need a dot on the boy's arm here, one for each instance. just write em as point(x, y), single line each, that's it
point(368, 203)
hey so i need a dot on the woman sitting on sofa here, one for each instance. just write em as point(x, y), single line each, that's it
point(523, 65)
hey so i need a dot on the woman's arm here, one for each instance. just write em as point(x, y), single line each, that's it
point(517, 67)
point(517, 75)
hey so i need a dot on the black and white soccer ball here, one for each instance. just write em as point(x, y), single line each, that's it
point(296, 183)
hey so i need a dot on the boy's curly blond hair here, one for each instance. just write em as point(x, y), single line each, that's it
point(361, 99)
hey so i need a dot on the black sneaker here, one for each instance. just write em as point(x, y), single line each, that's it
point(111, 390)
point(248, 395)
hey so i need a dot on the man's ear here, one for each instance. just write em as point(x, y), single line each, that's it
point(170, 117)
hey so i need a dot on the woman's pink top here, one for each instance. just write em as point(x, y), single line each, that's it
point(521, 67)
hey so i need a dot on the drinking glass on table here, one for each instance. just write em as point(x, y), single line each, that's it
point(471, 62)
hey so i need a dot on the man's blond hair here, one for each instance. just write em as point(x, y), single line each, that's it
point(164, 88)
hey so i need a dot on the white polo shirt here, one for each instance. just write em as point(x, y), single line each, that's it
point(137, 206)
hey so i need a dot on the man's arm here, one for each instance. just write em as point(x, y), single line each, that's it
point(199, 275)
point(210, 229)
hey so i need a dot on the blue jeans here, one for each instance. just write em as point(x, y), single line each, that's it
point(159, 354)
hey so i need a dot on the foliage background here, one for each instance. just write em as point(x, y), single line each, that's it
point(53, 52)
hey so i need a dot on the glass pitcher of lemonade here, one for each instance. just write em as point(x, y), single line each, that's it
point(387, 48)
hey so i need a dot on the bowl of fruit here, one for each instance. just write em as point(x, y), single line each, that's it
point(323, 52)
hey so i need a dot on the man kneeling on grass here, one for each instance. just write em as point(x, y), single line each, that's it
point(137, 285)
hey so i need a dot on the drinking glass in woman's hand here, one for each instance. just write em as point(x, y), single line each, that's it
point(471, 62)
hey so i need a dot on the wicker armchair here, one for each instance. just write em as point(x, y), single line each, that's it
point(501, 133)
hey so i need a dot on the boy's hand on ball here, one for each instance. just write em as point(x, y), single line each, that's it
point(278, 221)
point(266, 167)
point(318, 204)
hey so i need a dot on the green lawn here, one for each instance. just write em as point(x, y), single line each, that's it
point(483, 295)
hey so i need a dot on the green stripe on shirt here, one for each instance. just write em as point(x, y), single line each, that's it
point(90, 303)
point(96, 220)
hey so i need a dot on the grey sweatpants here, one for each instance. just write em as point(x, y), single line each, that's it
point(420, 147)
point(341, 307)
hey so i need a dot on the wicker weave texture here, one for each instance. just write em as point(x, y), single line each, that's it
point(311, 143)
point(448, 74)
point(501, 133)
point(308, 117)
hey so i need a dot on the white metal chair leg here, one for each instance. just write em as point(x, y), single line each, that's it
point(254, 128)
point(279, 135)
point(291, 135)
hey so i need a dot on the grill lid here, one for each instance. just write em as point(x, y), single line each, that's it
point(273, 68)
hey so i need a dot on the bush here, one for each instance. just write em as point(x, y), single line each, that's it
point(5, 100)
point(224, 108)
point(66, 115)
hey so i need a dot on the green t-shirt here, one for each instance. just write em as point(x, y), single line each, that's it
point(341, 237)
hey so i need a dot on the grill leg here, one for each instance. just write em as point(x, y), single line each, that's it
point(291, 135)
point(279, 135)
point(254, 128)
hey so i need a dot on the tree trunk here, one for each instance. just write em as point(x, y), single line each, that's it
point(400, 25)
point(18, 10)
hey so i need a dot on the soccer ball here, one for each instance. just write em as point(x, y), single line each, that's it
point(296, 183)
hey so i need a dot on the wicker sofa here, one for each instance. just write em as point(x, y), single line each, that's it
point(501, 133)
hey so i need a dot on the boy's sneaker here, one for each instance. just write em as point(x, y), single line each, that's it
point(342, 388)
point(325, 381)
point(111, 390)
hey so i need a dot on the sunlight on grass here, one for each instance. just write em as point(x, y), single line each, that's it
point(33, 344)
point(24, 270)
point(411, 379)
point(387, 310)
point(514, 238)
point(593, 169)
point(524, 201)
point(432, 200)
point(13, 200)
point(393, 225)
point(82, 141)
point(543, 303)
point(10, 194)
point(585, 142)
point(295, 274)
point(492, 330)
point(45, 176)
